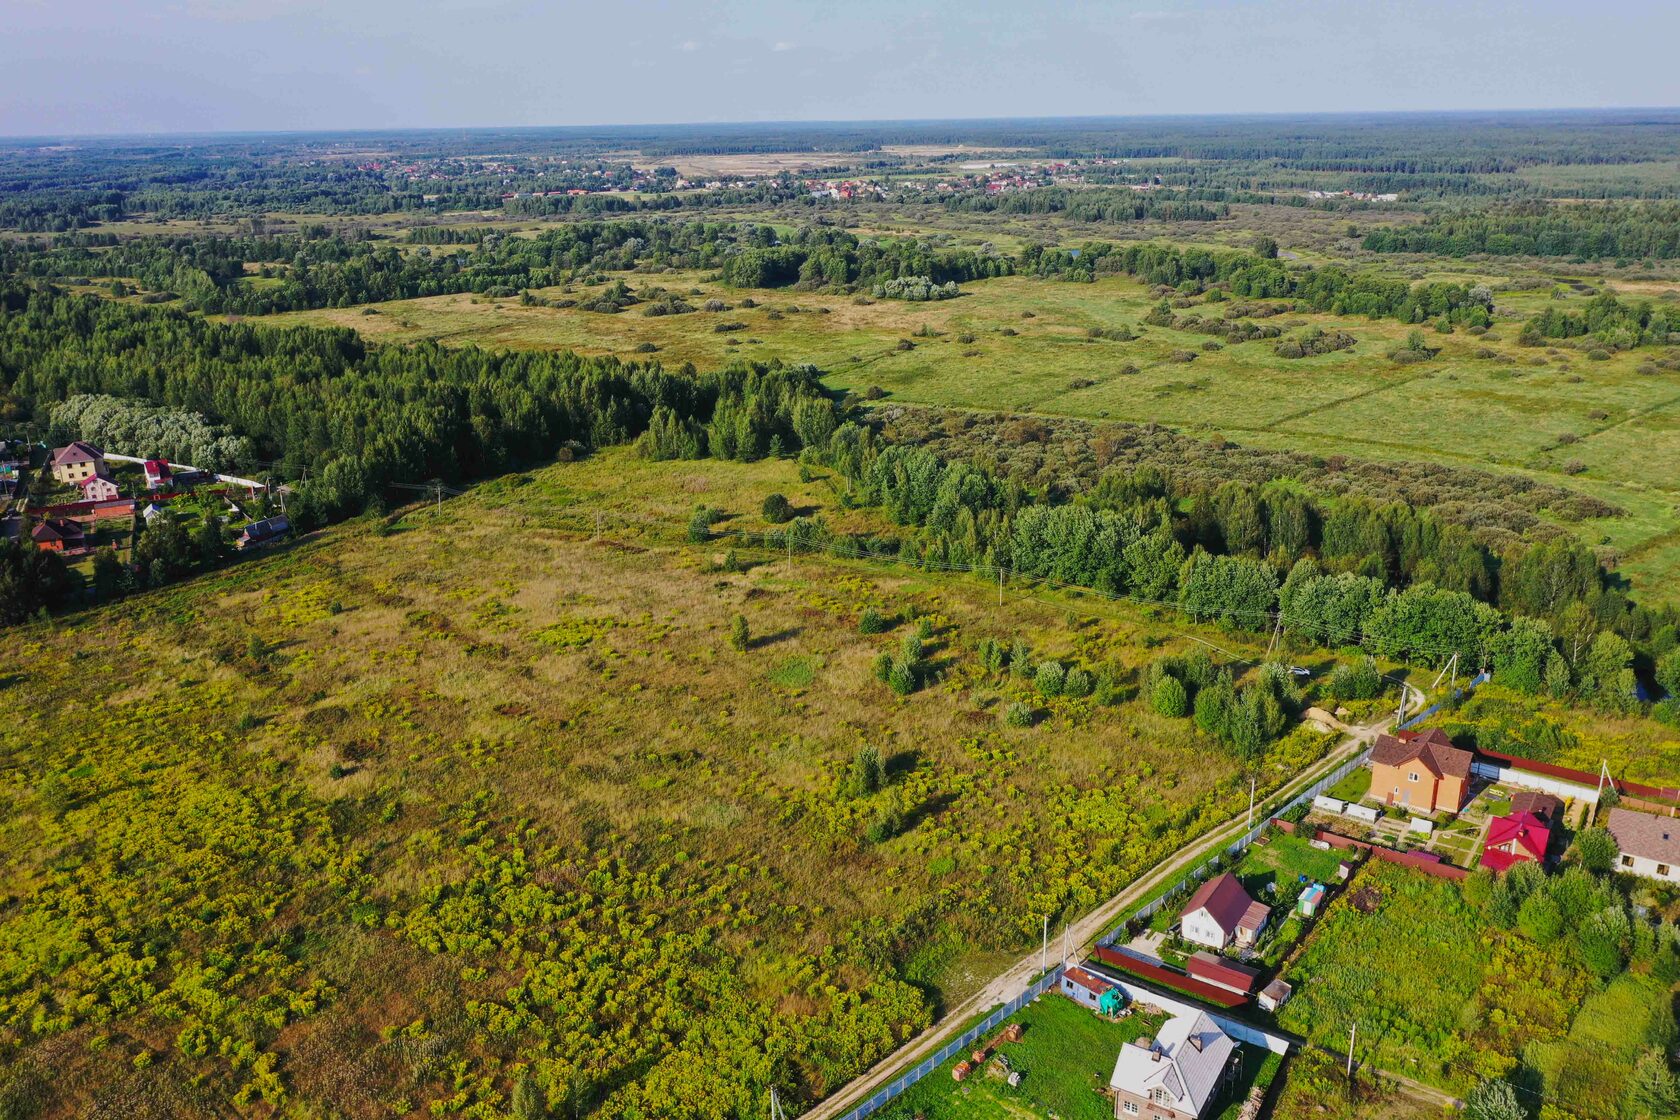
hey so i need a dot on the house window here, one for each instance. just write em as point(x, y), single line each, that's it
point(1412, 777)
point(1662, 870)
point(1159, 1095)
point(1129, 1108)
point(1627, 861)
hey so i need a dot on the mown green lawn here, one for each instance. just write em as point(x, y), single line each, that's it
point(1066, 1056)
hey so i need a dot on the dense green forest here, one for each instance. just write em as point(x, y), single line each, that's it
point(1582, 231)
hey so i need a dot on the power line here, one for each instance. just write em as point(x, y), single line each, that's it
point(1324, 633)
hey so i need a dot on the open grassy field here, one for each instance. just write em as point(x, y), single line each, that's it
point(1637, 749)
point(1437, 993)
point(1022, 345)
point(400, 816)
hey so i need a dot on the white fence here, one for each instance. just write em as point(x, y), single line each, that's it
point(1236, 1028)
point(1507, 775)
point(885, 1095)
point(1239, 845)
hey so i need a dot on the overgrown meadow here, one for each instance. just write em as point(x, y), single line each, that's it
point(473, 809)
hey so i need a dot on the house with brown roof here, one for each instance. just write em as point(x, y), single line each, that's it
point(1420, 771)
point(1547, 808)
point(76, 462)
point(58, 534)
point(1650, 844)
point(1180, 1074)
point(1220, 913)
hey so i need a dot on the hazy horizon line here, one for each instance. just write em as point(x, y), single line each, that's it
point(836, 122)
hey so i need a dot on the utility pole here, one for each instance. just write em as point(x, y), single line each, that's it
point(1277, 632)
point(777, 1112)
point(1065, 931)
point(1000, 585)
point(1044, 948)
point(1251, 803)
point(1352, 1030)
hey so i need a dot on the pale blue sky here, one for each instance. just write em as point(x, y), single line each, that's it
point(121, 66)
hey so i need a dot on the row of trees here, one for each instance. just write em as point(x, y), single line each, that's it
point(132, 427)
point(1331, 288)
point(1386, 577)
point(317, 268)
point(1611, 323)
point(1541, 229)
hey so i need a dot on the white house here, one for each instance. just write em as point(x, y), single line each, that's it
point(1178, 1075)
point(1220, 913)
point(1650, 845)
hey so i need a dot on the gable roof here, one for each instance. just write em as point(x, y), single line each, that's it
point(1529, 832)
point(1224, 899)
point(266, 528)
point(1432, 748)
point(57, 529)
point(1187, 1059)
point(76, 452)
point(1641, 834)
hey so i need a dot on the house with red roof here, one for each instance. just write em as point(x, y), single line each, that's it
point(1513, 838)
point(158, 475)
point(1220, 913)
point(1420, 771)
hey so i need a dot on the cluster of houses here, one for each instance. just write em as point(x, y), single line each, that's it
point(1424, 771)
point(65, 528)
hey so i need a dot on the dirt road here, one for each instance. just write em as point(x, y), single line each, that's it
point(1086, 930)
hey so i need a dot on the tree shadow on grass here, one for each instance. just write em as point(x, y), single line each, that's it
point(779, 636)
point(932, 807)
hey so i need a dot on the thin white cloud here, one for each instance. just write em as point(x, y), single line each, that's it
point(688, 45)
point(783, 45)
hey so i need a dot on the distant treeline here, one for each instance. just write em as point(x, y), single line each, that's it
point(319, 269)
point(1329, 288)
point(1095, 204)
point(1583, 231)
